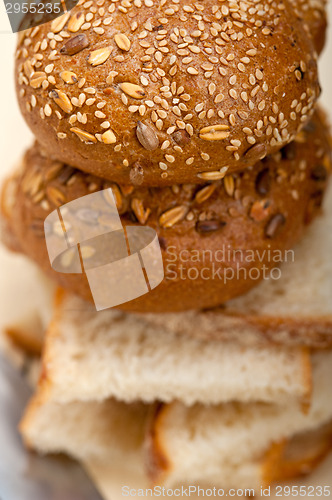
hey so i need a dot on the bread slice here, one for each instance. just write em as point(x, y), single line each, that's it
point(298, 455)
point(91, 355)
point(202, 443)
point(296, 309)
point(229, 445)
point(107, 431)
point(287, 461)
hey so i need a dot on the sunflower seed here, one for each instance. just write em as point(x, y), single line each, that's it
point(37, 79)
point(132, 90)
point(138, 209)
point(68, 77)
point(172, 216)
point(274, 225)
point(214, 132)
point(65, 174)
point(147, 136)
point(59, 23)
point(62, 100)
point(108, 137)
point(229, 185)
point(55, 196)
point(205, 193)
point(181, 137)
point(75, 22)
point(257, 152)
point(122, 41)
point(99, 56)
point(84, 136)
point(209, 226)
point(75, 45)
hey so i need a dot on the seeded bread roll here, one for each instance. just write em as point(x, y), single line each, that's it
point(238, 225)
point(171, 94)
point(312, 13)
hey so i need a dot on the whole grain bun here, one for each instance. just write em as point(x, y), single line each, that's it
point(205, 231)
point(171, 94)
point(312, 14)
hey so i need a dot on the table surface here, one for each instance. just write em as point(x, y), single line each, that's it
point(15, 137)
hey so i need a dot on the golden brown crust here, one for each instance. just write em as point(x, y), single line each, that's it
point(298, 456)
point(224, 325)
point(284, 460)
point(25, 340)
point(158, 96)
point(199, 227)
point(33, 407)
point(158, 464)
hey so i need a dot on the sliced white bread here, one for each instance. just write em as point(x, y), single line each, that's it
point(201, 443)
point(296, 309)
point(107, 431)
point(287, 461)
point(229, 445)
point(91, 355)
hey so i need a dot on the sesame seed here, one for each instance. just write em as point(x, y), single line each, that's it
point(261, 105)
point(244, 96)
point(251, 139)
point(232, 119)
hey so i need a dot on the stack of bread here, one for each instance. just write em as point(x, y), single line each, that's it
point(203, 120)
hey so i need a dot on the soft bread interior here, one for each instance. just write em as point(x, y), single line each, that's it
point(228, 445)
point(201, 441)
point(106, 431)
point(93, 355)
